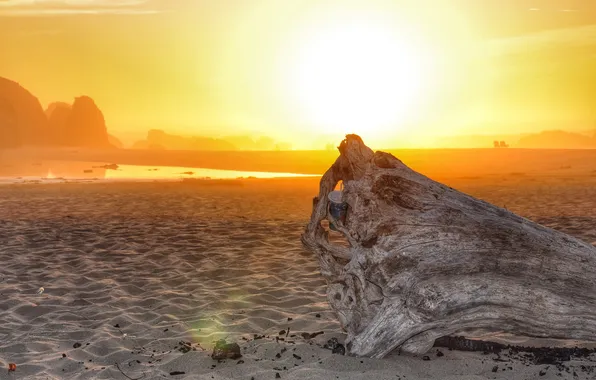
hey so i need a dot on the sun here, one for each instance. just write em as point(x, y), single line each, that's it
point(359, 76)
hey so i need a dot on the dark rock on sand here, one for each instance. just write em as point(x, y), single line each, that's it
point(184, 347)
point(530, 355)
point(223, 350)
point(306, 335)
point(462, 344)
point(335, 347)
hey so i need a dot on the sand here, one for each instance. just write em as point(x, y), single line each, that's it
point(146, 276)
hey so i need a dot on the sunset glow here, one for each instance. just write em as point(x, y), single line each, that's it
point(359, 76)
point(305, 72)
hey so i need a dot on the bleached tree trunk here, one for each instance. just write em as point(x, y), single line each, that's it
point(427, 261)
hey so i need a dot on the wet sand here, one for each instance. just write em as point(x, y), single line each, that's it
point(142, 278)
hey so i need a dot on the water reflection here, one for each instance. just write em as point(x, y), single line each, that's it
point(168, 172)
point(50, 171)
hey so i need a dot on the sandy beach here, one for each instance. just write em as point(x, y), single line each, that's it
point(171, 177)
point(140, 279)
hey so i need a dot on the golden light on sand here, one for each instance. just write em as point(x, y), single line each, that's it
point(360, 74)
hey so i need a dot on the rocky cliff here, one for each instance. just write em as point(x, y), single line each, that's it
point(22, 120)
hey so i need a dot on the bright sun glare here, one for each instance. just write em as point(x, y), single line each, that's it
point(359, 76)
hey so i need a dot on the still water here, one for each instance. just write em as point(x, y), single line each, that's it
point(58, 171)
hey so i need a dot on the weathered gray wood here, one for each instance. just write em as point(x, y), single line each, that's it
point(427, 261)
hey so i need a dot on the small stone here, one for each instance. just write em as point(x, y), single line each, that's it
point(339, 349)
point(318, 315)
point(289, 319)
point(282, 332)
point(223, 350)
point(426, 358)
point(63, 355)
point(495, 368)
point(439, 353)
point(174, 373)
point(297, 357)
point(277, 375)
point(76, 345)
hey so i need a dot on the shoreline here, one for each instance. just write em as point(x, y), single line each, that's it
point(432, 162)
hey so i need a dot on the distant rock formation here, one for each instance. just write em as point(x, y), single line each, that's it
point(557, 140)
point(80, 125)
point(53, 106)
point(159, 140)
point(57, 114)
point(115, 141)
point(86, 126)
point(22, 120)
point(262, 143)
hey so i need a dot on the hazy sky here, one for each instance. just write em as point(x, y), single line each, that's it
point(296, 68)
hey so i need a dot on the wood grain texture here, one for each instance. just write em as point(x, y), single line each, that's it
point(426, 261)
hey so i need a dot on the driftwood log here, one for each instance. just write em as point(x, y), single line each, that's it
point(425, 261)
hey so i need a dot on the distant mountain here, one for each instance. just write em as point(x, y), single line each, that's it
point(160, 140)
point(262, 143)
point(558, 140)
point(474, 141)
point(551, 139)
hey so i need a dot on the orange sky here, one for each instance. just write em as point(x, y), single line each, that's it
point(297, 69)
